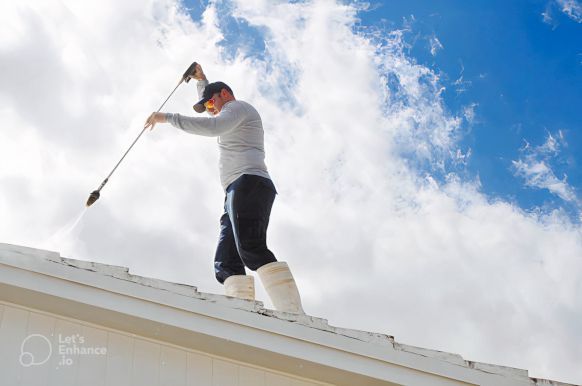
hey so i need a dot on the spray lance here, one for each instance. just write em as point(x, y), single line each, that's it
point(94, 196)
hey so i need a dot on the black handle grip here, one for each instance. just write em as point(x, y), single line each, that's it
point(189, 71)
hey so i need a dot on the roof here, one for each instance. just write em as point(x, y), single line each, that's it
point(239, 329)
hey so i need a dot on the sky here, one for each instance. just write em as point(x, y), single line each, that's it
point(426, 156)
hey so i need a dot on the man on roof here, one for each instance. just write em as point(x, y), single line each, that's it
point(249, 193)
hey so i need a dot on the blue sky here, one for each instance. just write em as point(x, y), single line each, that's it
point(518, 63)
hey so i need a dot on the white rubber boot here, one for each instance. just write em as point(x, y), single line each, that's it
point(240, 286)
point(280, 285)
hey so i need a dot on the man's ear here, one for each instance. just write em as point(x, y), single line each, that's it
point(224, 94)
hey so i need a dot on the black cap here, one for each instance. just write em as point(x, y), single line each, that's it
point(209, 91)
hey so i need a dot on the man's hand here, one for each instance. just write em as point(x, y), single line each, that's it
point(198, 73)
point(153, 119)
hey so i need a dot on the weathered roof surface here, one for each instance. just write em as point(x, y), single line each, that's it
point(115, 279)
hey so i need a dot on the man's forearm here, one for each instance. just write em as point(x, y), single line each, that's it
point(200, 85)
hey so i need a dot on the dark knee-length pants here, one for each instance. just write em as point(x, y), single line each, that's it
point(243, 227)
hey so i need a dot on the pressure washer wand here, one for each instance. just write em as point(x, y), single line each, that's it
point(94, 196)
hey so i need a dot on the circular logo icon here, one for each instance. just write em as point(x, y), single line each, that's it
point(42, 348)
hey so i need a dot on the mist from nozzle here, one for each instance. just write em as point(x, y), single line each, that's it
point(65, 240)
point(94, 196)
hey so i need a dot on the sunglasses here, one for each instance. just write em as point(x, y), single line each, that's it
point(209, 104)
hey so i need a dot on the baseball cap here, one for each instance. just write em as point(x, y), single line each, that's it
point(209, 91)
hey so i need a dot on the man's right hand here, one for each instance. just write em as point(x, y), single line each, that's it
point(198, 73)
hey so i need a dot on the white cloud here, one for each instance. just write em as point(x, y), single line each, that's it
point(572, 8)
point(469, 112)
point(540, 175)
point(348, 119)
point(461, 84)
point(435, 45)
point(547, 15)
point(535, 169)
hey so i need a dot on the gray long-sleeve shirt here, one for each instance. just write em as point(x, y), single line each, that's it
point(240, 134)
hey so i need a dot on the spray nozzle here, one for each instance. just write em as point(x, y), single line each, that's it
point(94, 196)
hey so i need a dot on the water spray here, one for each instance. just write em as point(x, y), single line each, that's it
point(94, 196)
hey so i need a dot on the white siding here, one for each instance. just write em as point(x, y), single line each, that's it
point(277, 380)
point(251, 377)
point(129, 360)
point(174, 367)
point(62, 372)
point(199, 370)
point(119, 359)
point(12, 334)
point(302, 383)
point(92, 369)
point(224, 373)
point(146, 359)
point(42, 325)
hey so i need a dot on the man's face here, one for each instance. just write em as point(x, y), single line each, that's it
point(214, 105)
